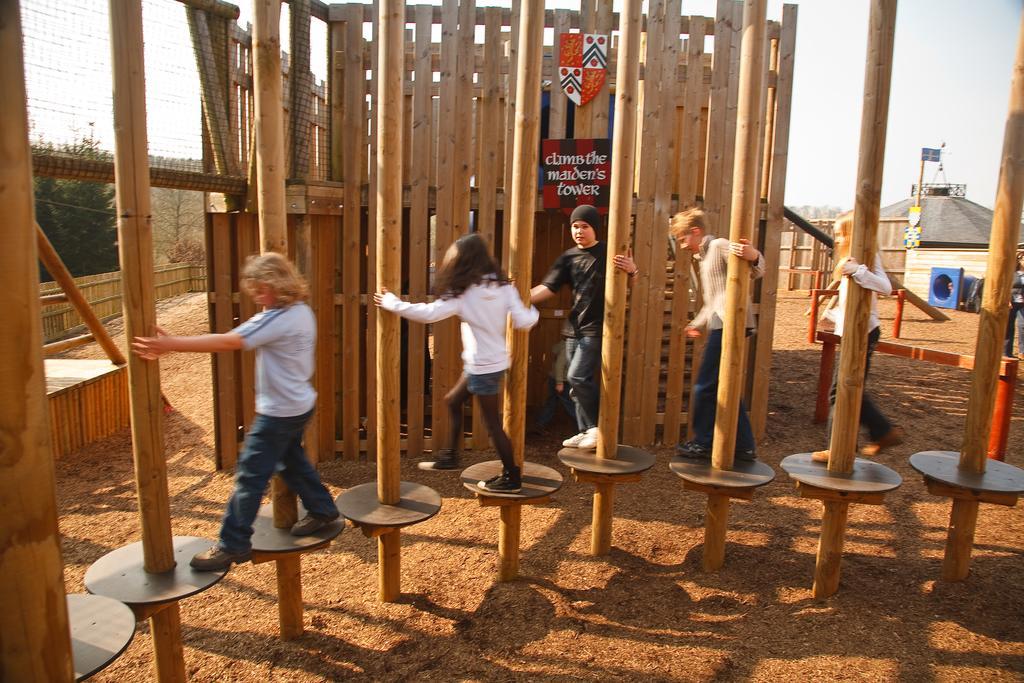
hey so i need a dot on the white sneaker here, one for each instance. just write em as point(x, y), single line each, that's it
point(589, 440)
point(574, 441)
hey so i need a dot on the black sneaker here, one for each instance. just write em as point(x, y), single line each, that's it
point(503, 484)
point(310, 524)
point(693, 451)
point(217, 559)
point(446, 459)
point(748, 455)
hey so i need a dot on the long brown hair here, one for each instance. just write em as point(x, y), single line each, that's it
point(466, 263)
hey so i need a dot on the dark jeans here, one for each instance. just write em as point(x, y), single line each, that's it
point(705, 399)
point(870, 416)
point(550, 407)
point(1014, 321)
point(584, 357)
point(272, 444)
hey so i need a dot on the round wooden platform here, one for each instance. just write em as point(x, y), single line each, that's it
point(101, 629)
point(538, 480)
point(867, 476)
point(120, 574)
point(267, 538)
point(627, 460)
point(418, 503)
point(744, 474)
point(944, 466)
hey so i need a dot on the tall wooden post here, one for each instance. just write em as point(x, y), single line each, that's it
point(135, 246)
point(522, 204)
point(391, 18)
point(992, 322)
point(863, 243)
point(737, 292)
point(619, 213)
point(34, 634)
point(270, 160)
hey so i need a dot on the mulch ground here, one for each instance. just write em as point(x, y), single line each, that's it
point(645, 612)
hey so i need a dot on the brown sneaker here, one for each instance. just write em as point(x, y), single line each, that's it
point(216, 559)
point(820, 456)
point(893, 437)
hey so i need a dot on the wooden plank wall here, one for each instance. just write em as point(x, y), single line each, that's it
point(457, 144)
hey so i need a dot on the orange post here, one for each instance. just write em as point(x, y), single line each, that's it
point(1003, 409)
point(812, 324)
point(897, 324)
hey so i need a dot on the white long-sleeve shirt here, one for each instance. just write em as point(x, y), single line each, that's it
point(875, 280)
point(484, 310)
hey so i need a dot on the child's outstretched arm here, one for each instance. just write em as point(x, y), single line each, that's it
point(152, 348)
point(873, 278)
point(421, 313)
point(523, 318)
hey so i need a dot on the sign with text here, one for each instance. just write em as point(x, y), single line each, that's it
point(576, 172)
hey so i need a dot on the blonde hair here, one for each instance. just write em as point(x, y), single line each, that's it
point(843, 228)
point(684, 221)
point(278, 273)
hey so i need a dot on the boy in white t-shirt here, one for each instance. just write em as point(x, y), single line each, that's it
point(284, 338)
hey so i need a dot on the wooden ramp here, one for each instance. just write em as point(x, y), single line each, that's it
point(88, 400)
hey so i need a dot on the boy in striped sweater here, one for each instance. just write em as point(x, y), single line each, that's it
point(689, 229)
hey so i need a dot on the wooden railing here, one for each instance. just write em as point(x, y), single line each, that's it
point(103, 292)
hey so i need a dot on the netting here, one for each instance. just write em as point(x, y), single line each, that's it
point(199, 104)
point(68, 80)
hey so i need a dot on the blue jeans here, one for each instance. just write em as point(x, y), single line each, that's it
point(705, 399)
point(584, 357)
point(1014, 321)
point(870, 416)
point(550, 407)
point(270, 443)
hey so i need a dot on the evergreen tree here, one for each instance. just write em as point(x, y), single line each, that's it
point(78, 217)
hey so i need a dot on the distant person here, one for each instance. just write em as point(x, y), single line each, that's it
point(471, 287)
point(883, 434)
point(582, 267)
point(284, 338)
point(689, 229)
point(558, 390)
point(1016, 318)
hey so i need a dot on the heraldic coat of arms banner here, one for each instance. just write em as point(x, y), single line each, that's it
point(582, 65)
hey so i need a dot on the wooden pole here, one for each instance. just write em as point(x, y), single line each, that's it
point(522, 202)
point(743, 214)
point(135, 246)
point(992, 323)
point(846, 415)
point(62, 276)
point(619, 240)
point(35, 643)
point(391, 17)
point(621, 205)
point(266, 59)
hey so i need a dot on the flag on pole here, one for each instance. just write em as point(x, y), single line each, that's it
point(929, 154)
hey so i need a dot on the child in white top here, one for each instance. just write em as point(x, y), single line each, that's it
point(874, 279)
point(284, 338)
point(472, 288)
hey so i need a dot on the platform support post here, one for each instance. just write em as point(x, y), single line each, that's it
point(715, 526)
point(508, 542)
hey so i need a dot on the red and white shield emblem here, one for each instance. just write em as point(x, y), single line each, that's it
point(582, 65)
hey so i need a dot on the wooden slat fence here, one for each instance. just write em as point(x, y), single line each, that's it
point(103, 292)
point(457, 145)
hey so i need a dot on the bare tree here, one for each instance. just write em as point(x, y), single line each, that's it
point(178, 220)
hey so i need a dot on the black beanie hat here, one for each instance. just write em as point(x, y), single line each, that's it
point(588, 214)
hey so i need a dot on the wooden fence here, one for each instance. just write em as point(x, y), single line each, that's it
point(103, 292)
point(458, 128)
point(802, 255)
